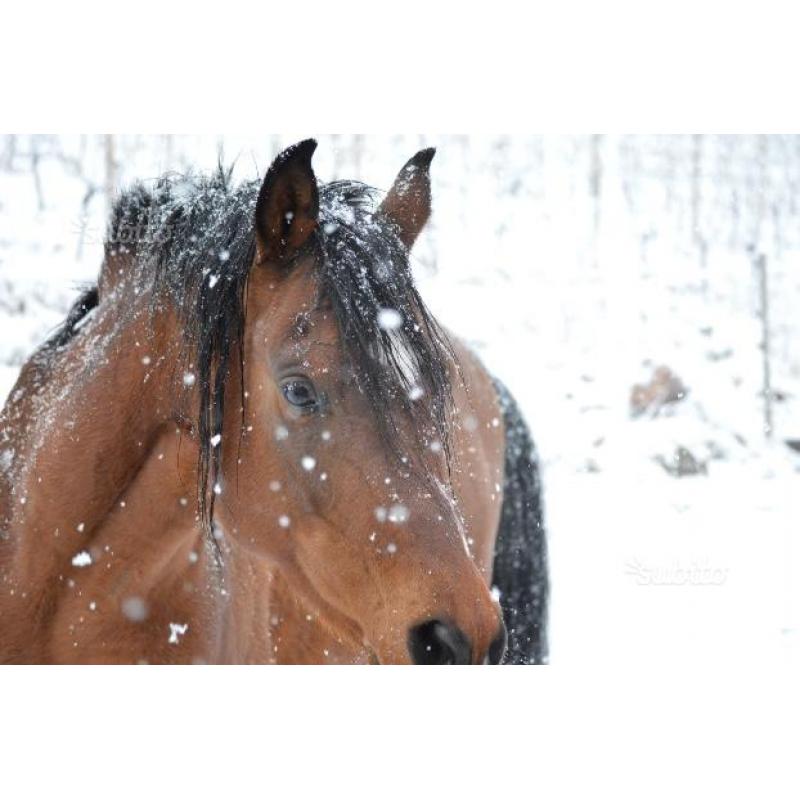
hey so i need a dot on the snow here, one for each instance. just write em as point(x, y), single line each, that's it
point(284, 521)
point(281, 433)
point(308, 463)
point(176, 630)
point(216, 439)
point(398, 514)
point(82, 559)
point(390, 319)
point(6, 459)
point(570, 295)
point(134, 609)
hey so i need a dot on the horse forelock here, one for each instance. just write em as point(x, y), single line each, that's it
point(399, 353)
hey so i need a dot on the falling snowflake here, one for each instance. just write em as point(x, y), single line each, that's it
point(82, 559)
point(176, 630)
point(389, 319)
point(398, 514)
point(135, 609)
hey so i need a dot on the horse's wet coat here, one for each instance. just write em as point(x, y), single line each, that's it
point(164, 363)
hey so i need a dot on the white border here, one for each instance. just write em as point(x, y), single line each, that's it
point(572, 66)
point(690, 731)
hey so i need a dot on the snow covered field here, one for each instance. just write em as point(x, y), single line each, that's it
point(575, 266)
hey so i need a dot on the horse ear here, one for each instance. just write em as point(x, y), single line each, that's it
point(407, 206)
point(287, 209)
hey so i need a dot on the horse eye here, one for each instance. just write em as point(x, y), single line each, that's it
point(300, 393)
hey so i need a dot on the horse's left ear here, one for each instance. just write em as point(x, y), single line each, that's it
point(408, 204)
point(287, 210)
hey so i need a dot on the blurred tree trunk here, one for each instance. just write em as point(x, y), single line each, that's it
point(37, 180)
point(698, 239)
point(596, 187)
point(761, 269)
point(111, 177)
point(11, 151)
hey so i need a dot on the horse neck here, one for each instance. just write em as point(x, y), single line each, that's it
point(81, 422)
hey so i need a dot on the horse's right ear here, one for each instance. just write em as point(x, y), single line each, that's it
point(287, 210)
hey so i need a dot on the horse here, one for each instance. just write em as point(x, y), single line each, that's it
point(251, 442)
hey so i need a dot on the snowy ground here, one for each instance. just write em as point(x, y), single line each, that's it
point(570, 298)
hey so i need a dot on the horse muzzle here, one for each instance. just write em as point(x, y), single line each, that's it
point(437, 641)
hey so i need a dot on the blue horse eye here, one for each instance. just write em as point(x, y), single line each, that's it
point(300, 393)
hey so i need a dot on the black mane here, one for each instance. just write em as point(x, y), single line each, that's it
point(87, 301)
point(192, 240)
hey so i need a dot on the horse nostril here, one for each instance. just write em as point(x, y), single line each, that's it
point(497, 649)
point(437, 642)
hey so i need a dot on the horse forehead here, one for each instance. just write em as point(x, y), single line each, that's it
point(275, 302)
point(300, 333)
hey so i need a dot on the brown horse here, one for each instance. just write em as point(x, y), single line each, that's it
point(251, 442)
